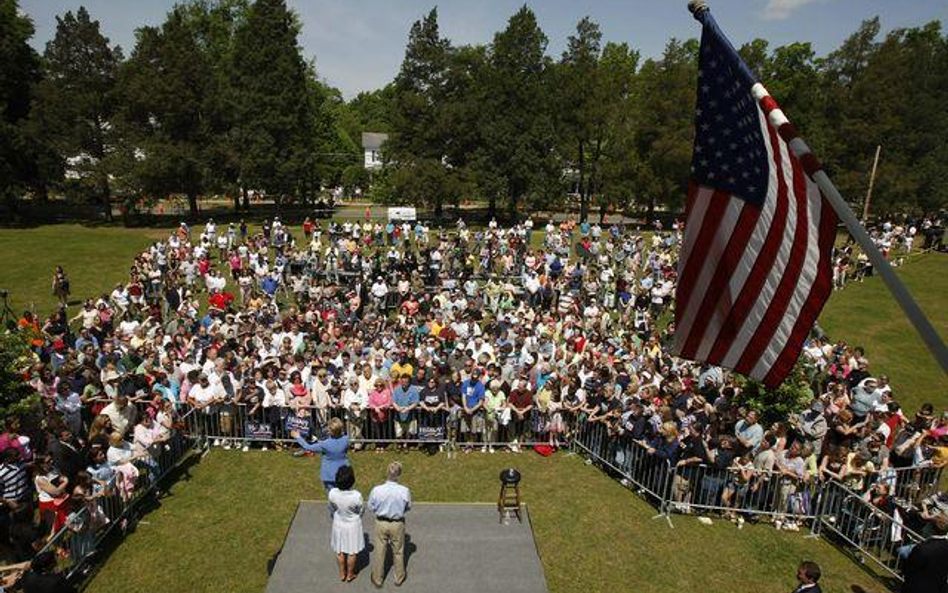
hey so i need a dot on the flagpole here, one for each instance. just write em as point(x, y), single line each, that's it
point(699, 9)
point(872, 182)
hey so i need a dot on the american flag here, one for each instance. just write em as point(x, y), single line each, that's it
point(755, 267)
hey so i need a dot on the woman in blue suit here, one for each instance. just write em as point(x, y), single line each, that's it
point(333, 451)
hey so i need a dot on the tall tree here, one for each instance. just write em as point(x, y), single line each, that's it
point(581, 106)
point(665, 133)
point(612, 179)
point(274, 104)
point(516, 159)
point(213, 24)
point(77, 101)
point(19, 71)
point(417, 151)
point(166, 109)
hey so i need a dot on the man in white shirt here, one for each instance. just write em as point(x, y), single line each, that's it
point(204, 394)
point(121, 414)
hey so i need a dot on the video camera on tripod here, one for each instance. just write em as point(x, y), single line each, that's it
point(7, 316)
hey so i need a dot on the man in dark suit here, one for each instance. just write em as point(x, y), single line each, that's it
point(808, 574)
point(926, 569)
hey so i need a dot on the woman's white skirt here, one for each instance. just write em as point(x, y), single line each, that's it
point(347, 536)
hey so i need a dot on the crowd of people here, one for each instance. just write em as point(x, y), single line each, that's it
point(484, 339)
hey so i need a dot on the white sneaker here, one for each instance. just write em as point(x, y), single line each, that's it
point(227, 445)
point(245, 448)
point(263, 448)
point(483, 449)
point(491, 449)
point(778, 524)
point(217, 442)
point(740, 522)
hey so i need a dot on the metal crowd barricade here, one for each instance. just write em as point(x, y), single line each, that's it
point(912, 483)
point(651, 476)
point(245, 424)
point(98, 517)
point(726, 490)
point(872, 533)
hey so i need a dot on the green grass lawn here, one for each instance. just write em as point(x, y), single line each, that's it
point(95, 259)
point(216, 530)
point(865, 314)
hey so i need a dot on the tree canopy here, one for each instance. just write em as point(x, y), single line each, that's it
point(219, 99)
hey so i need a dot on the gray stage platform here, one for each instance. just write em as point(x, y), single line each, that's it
point(451, 548)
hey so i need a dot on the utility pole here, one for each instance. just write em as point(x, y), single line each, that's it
point(872, 180)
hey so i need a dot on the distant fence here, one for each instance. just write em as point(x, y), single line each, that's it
point(870, 532)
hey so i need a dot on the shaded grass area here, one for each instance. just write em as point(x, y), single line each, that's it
point(865, 314)
point(216, 531)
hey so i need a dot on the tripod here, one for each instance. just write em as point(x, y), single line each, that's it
point(7, 316)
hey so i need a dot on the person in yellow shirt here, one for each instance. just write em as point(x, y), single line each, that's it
point(401, 367)
point(435, 327)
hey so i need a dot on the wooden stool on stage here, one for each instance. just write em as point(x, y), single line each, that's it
point(509, 500)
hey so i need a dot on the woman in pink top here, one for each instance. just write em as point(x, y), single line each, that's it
point(235, 264)
point(380, 401)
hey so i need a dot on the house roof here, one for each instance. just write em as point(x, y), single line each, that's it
point(373, 140)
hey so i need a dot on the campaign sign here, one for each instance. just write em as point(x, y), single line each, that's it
point(431, 433)
point(258, 431)
point(301, 425)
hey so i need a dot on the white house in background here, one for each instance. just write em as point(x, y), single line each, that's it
point(372, 149)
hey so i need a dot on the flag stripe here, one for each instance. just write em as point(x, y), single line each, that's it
point(820, 292)
point(716, 294)
point(691, 267)
point(789, 274)
point(698, 200)
point(771, 274)
point(801, 287)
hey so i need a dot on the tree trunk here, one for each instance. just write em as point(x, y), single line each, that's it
point(246, 199)
point(193, 204)
point(602, 212)
point(512, 210)
point(583, 189)
point(13, 206)
point(104, 195)
point(98, 151)
point(236, 202)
